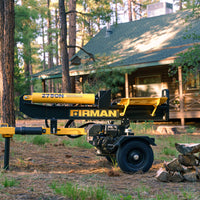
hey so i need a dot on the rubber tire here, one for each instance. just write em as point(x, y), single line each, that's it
point(129, 165)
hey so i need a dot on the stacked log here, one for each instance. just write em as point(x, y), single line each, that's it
point(184, 168)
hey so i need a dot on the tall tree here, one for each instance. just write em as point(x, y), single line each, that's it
point(72, 36)
point(50, 50)
point(43, 45)
point(56, 23)
point(1, 52)
point(7, 24)
point(66, 85)
point(130, 11)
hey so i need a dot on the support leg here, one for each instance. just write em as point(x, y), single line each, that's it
point(7, 153)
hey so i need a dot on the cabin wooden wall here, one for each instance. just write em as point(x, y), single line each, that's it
point(166, 82)
point(191, 97)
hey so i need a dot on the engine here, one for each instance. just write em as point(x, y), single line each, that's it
point(103, 136)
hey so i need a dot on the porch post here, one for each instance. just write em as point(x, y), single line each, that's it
point(181, 96)
point(43, 85)
point(126, 85)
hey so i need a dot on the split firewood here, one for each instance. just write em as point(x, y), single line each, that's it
point(176, 177)
point(197, 172)
point(187, 148)
point(198, 159)
point(191, 176)
point(187, 160)
point(163, 175)
point(173, 166)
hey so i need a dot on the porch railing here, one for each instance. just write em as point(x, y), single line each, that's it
point(191, 102)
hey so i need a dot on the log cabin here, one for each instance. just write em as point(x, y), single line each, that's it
point(148, 47)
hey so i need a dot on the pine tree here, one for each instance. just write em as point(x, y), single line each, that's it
point(66, 86)
point(7, 24)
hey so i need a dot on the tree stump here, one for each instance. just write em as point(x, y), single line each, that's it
point(166, 130)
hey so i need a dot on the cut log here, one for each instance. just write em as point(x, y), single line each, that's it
point(187, 160)
point(187, 148)
point(163, 175)
point(198, 172)
point(176, 177)
point(198, 158)
point(174, 166)
point(191, 176)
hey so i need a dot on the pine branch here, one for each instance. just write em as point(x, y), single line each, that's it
point(74, 11)
point(90, 54)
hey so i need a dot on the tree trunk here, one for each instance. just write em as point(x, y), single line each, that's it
point(56, 19)
point(43, 46)
point(72, 36)
point(180, 5)
point(72, 28)
point(130, 11)
point(66, 86)
point(116, 13)
point(1, 52)
point(134, 11)
point(7, 23)
point(27, 69)
point(50, 54)
point(31, 82)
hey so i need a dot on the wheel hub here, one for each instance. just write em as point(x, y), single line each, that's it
point(136, 157)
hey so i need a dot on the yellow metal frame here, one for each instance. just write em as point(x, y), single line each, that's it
point(66, 131)
point(3, 125)
point(7, 131)
point(10, 131)
point(143, 101)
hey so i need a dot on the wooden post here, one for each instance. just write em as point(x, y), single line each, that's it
point(181, 96)
point(126, 85)
point(43, 85)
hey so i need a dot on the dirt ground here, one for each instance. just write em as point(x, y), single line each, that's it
point(36, 167)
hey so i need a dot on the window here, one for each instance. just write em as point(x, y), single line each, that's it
point(148, 79)
point(147, 86)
